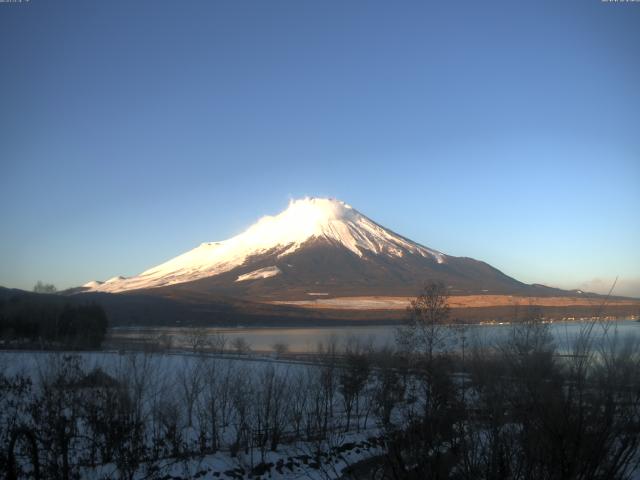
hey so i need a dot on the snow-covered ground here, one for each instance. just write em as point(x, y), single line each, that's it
point(252, 392)
point(207, 415)
point(296, 461)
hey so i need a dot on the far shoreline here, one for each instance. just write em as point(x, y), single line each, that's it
point(356, 324)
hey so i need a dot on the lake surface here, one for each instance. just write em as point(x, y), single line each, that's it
point(306, 340)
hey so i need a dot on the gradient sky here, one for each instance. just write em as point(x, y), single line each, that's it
point(132, 131)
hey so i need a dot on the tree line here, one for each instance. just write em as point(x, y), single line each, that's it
point(47, 321)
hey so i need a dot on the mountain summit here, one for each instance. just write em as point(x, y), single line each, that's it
point(317, 246)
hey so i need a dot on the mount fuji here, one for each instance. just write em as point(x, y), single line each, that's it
point(317, 247)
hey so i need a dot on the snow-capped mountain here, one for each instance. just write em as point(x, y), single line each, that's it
point(315, 246)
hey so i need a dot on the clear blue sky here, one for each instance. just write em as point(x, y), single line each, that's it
point(131, 131)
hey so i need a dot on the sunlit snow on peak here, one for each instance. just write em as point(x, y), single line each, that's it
point(318, 210)
point(119, 278)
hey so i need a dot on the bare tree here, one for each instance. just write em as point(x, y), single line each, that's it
point(241, 346)
point(280, 348)
point(55, 413)
point(215, 401)
point(298, 400)
point(427, 329)
point(218, 342)
point(197, 339)
point(241, 394)
point(389, 387)
point(190, 383)
point(137, 375)
point(316, 404)
point(270, 409)
point(353, 378)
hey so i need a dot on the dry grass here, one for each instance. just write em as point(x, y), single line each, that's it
point(462, 301)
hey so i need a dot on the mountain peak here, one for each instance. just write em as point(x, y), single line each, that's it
point(323, 219)
point(319, 209)
point(302, 219)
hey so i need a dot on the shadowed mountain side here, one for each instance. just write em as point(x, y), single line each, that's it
point(324, 267)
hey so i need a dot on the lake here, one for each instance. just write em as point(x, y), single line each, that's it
point(306, 340)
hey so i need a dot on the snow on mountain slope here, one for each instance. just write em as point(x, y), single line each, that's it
point(266, 272)
point(303, 220)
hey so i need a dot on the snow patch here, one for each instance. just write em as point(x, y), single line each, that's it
point(119, 278)
point(260, 273)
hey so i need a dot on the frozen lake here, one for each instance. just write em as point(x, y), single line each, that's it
point(306, 340)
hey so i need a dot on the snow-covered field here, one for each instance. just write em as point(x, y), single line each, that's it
point(194, 415)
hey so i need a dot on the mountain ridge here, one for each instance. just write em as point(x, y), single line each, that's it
point(304, 220)
point(316, 246)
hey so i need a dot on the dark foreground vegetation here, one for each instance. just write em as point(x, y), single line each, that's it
point(48, 322)
point(439, 406)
